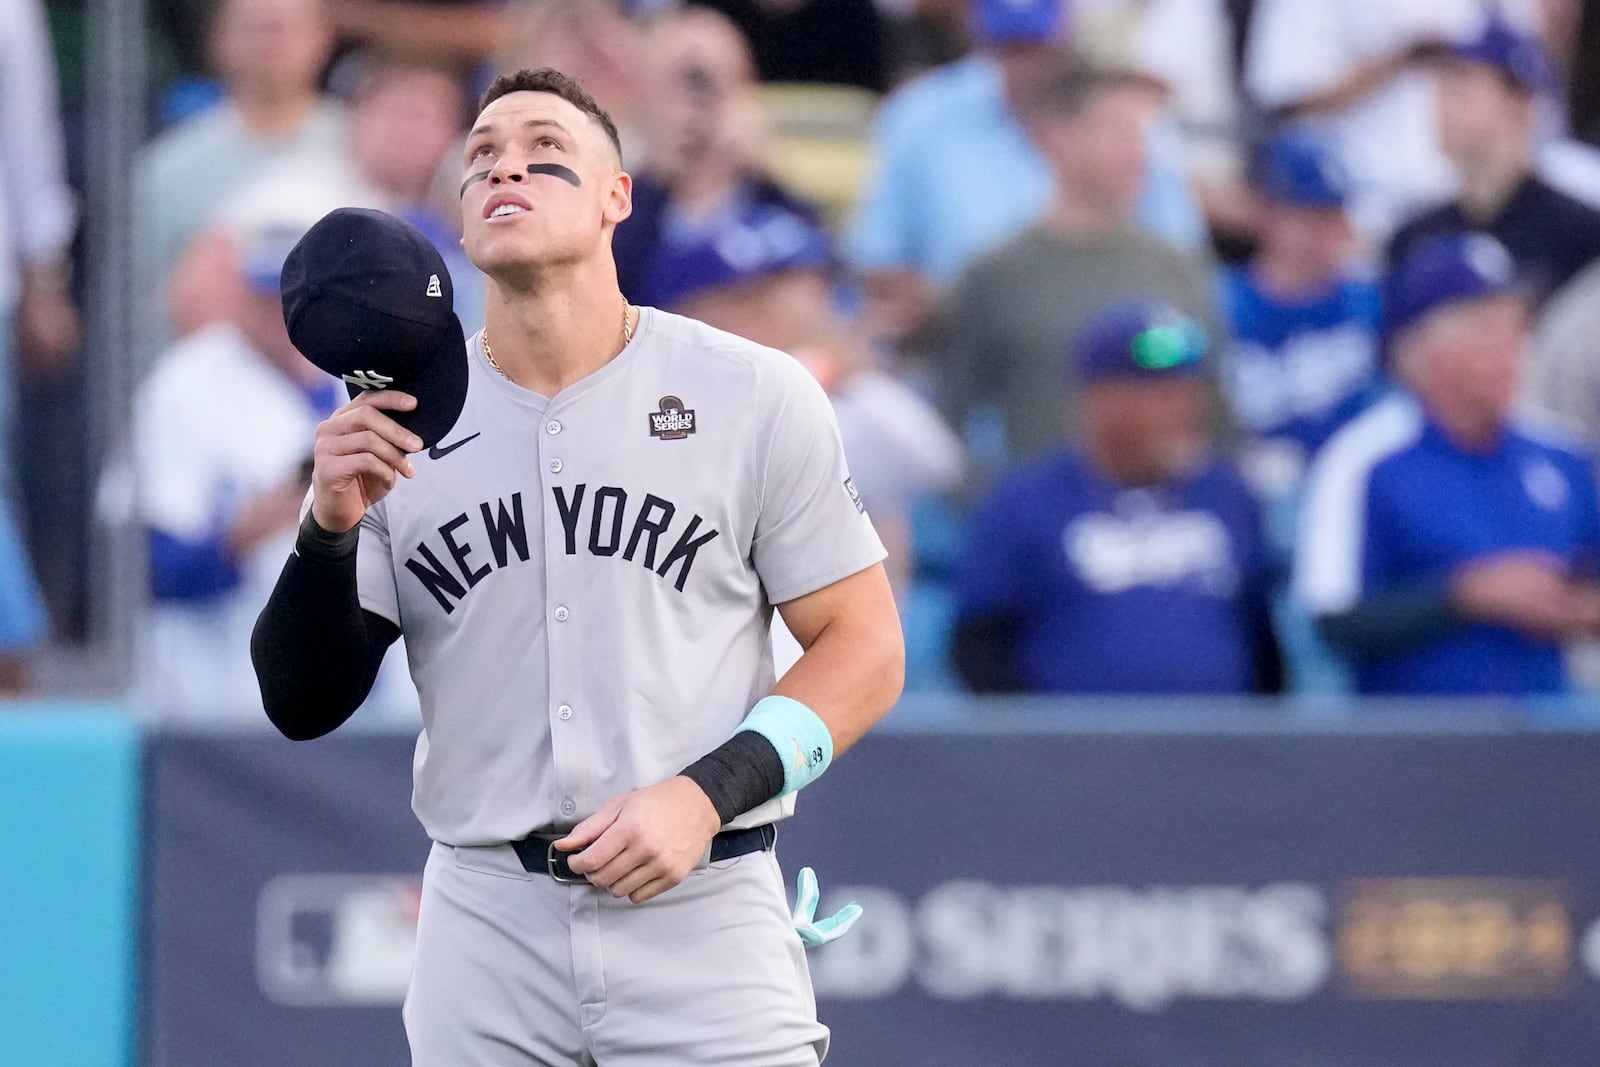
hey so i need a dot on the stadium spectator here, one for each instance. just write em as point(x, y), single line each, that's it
point(446, 32)
point(270, 55)
point(1563, 374)
point(1488, 105)
point(999, 340)
point(1132, 563)
point(765, 274)
point(704, 166)
point(1447, 548)
point(406, 126)
point(957, 174)
point(219, 486)
point(595, 42)
point(839, 42)
point(1352, 66)
point(1303, 322)
point(39, 329)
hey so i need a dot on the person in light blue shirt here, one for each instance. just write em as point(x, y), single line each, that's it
point(957, 173)
point(1448, 548)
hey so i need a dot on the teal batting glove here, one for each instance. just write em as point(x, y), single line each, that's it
point(812, 931)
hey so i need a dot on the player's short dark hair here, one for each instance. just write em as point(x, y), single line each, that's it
point(547, 80)
point(1072, 85)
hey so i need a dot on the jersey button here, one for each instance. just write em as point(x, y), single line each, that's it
point(564, 711)
point(552, 427)
point(562, 613)
point(555, 466)
point(568, 807)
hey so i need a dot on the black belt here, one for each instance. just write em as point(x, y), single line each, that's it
point(539, 854)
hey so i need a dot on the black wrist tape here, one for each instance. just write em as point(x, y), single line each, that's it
point(743, 772)
point(316, 543)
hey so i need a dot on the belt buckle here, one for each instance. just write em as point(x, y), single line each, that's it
point(552, 866)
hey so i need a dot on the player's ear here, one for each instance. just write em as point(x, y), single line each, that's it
point(619, 199)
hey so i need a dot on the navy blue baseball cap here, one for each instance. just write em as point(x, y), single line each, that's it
point(1003, 21)
point(758, 242)
point(1513, 53)
point(368, 299)
point(1297, 167)
point(1139, 338)
point(1451, 268)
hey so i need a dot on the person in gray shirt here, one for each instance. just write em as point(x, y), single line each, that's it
point(999, 342)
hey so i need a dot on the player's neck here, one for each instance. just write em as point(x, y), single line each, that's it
point(558, 331)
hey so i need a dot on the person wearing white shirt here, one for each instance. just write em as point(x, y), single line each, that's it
point(1351, 65)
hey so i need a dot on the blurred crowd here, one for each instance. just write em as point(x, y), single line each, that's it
point(1178, 346)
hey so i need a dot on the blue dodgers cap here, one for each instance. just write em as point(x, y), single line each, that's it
point(1138, 338)
point(758, 242)
point(1297, 167)
point(1513, 53)
point(1450, 268)
point(368, 299)
point(1000, 21)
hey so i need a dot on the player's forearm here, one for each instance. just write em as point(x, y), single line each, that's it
point(851, 675)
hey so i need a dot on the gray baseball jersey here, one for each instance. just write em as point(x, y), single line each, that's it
point(585, 582)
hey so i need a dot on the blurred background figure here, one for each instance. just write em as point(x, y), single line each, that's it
point(435, 32)
point(1129, 563)
point(1448, 548)
point(1563, 373)
point(999, 339)
point(839, 42)
point(957, 174)
point(407, 120)
point(218, 485)
point(765, 274)
point(39, 328)
point(1353, 66)
point(1303, 318)
point(595, 42)
point(270, 56)
point(1489, 127)
point(705, 164)
point(1302, 359)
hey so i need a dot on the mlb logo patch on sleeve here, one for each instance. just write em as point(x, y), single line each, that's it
point(855, 496)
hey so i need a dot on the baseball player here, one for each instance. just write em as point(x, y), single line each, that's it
point(584, 568)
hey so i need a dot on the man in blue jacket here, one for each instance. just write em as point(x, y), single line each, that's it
point(1446, 546)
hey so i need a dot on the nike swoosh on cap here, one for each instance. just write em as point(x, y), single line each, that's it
point(441, 450)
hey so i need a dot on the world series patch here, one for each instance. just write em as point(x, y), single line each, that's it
point(673, 422)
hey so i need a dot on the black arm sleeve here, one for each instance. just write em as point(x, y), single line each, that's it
point(1392, 622)
point(316, 650)
point(984, 651)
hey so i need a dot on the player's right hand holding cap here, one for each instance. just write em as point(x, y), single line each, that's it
point(367, 298)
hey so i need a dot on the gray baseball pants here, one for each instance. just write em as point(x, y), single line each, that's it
point(516, 970)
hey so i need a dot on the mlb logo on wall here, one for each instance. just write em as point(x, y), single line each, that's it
point(673, 422)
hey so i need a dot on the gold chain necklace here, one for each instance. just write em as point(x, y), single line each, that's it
point(627, 338)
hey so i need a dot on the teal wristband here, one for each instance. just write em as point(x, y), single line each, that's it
point(801, 739)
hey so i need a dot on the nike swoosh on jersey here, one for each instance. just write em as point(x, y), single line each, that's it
point(441, 451)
